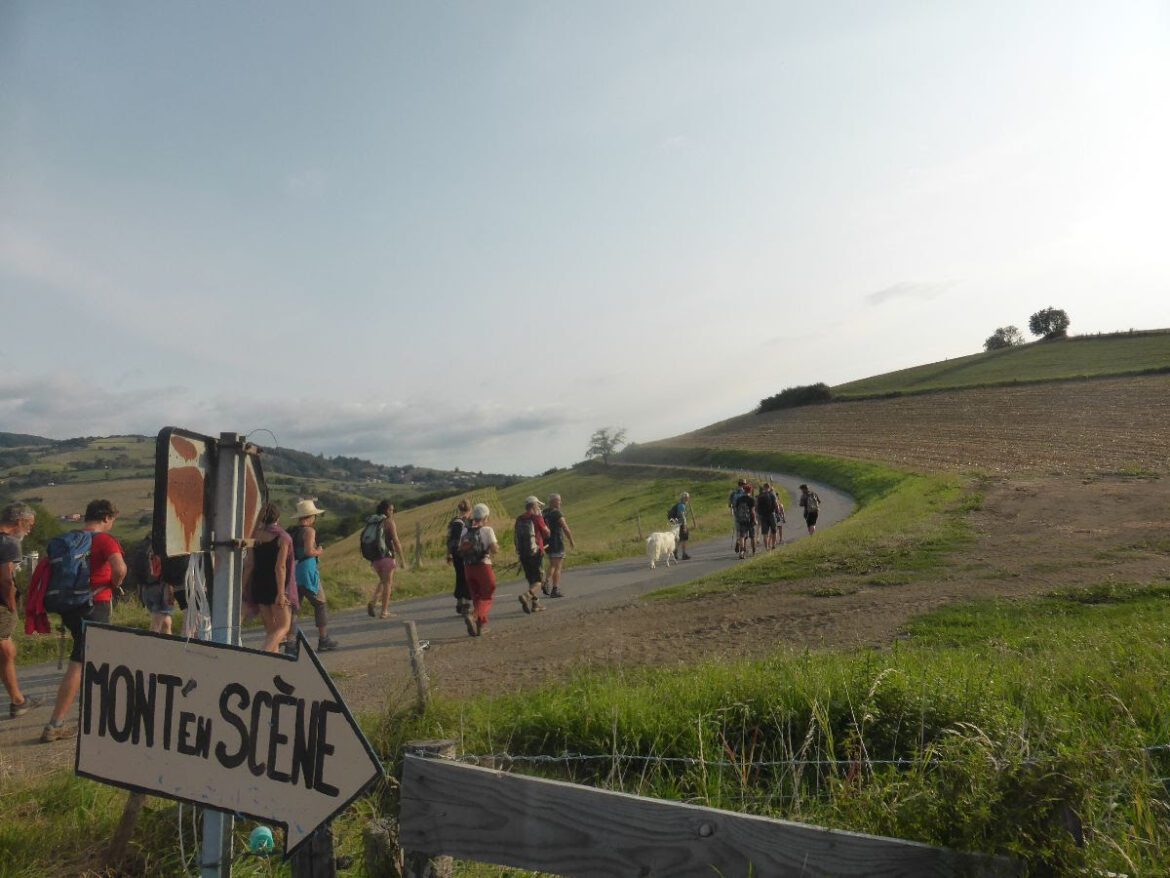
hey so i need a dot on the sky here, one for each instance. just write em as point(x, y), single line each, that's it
point(469, 234)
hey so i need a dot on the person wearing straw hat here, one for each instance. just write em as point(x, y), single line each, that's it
point(306, 551)
point(477, 544)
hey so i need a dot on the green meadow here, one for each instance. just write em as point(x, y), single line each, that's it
point(1053, 360)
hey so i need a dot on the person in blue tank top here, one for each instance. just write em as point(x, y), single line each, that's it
point(306, 551)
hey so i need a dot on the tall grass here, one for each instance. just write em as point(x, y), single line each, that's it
point(997, 727)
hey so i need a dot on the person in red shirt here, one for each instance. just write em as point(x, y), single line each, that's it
point(107, 569)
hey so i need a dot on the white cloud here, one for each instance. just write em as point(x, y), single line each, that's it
point(419, 432)
point(909, 290)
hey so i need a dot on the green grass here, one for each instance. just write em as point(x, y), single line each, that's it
point(1003, 718)
point(1083, 357)
point(905, 522)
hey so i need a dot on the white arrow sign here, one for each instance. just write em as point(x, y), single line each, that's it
point(253, 733)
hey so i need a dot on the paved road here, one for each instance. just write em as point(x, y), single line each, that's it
point(595, 587)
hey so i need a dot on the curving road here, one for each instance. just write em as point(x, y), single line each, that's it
point(586, 588)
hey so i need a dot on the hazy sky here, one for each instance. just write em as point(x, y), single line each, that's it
point(468, 234)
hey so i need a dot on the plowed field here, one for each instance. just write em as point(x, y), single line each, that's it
point(1116, 425)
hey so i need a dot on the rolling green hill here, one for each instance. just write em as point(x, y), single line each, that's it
point(1055, 360)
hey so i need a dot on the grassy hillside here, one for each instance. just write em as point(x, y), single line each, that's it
point(1059, 359)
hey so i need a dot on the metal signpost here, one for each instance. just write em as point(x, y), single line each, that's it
point(207, 722)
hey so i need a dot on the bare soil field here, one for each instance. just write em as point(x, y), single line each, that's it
point(1115, 425)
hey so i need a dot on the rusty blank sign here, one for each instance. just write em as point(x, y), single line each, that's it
point(183, 483)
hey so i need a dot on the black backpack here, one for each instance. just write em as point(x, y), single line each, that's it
point(526, 546)
point(454, 531)
point(471, 546)
point(145, 565)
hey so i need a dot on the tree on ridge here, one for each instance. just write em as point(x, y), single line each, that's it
point(604, 442)
point(1049, 323)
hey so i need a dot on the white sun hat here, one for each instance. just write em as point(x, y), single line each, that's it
point(307, 508)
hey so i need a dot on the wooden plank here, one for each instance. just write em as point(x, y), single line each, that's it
point(549, 826)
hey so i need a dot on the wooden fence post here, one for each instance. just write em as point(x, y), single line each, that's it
point(418, 669)
point(314, 859)
point(640, 537)
point(417, 546)
point(117, 849)
point(420, 864)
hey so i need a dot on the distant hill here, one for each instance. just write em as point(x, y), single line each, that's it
point(1087, 356)
point(65, 474)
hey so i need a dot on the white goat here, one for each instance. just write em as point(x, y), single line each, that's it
point(662, 543)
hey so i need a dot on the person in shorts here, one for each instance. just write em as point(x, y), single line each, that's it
point(531, 535)
point(810, 502)
point(558, 533)
point(107, 569)
point(477, 545)
point(384, 567)
point(745, 522)
point(770, 513)
point(16, 521)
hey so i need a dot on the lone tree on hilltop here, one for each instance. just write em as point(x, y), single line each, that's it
point(1004, 337)
point(1049, 323)
point(604, 442)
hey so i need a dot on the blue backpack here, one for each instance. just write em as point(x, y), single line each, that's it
point(68, 588)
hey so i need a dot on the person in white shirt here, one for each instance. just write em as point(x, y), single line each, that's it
point(477, 545)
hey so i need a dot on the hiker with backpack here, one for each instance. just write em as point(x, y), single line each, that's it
point(306, 551)
point(531, 534)
point(454, 532)
point(16, 522)
point(811, 503)
point(745, 522)
point(477, 544)
point(85, 566)
point(678, 512)
point(558, 533)
point(157, 596)
point(770, 513)
point(380, 546)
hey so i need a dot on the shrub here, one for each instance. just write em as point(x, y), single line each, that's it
point(791, 397)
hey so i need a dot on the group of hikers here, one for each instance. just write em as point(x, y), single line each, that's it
point(81, 571)
point(762, 514)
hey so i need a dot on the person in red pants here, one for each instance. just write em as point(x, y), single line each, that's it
point(477, 545)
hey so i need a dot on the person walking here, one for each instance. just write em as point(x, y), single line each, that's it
point(380, 546)
point(107, 569)
point(531, 534)
point(745, 522)
point(16, 522)
point(558, 533)
point(679, 513)
point(306, 551)
point(770, 513)
point(269, 577)
point(477, 545)
point(454, 532)
point(810, 502)
point(731, 498)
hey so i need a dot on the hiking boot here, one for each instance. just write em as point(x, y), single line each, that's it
point(556, 593)
point(480, 627)
point(15, 710)
point(57, 733)
point(545, 589)
point(536, 605)
point(324, 644)
point(686, 557)
point(526, 602)
point(461, 607)
point(370, 609)
point(472, 630)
